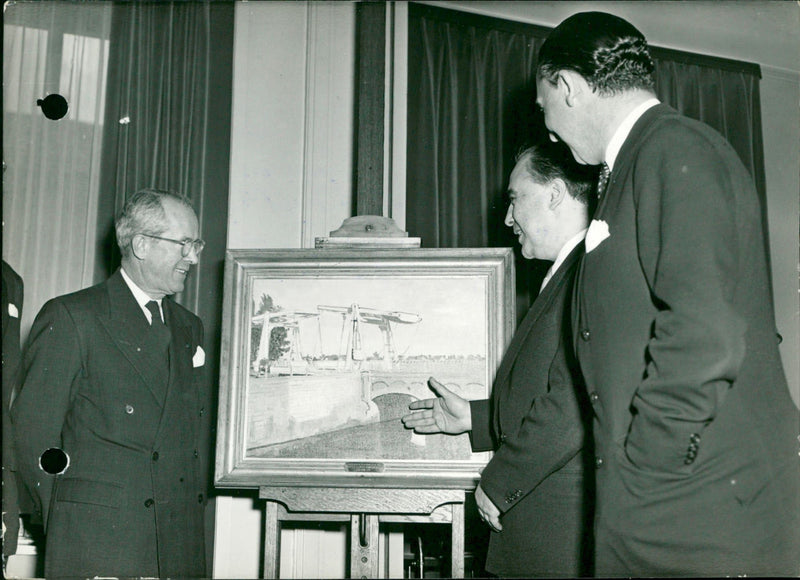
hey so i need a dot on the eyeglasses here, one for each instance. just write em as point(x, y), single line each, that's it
point(186, 245)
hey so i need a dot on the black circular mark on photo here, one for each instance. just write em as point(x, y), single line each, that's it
point(54, 461)
point(53, 106)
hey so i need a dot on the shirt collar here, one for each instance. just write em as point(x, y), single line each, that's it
point(562, 255)
point(624, 129)
point(141, 296)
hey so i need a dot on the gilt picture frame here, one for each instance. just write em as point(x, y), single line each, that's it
point(323, 350)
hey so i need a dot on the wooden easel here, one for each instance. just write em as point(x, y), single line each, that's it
point(364, 508)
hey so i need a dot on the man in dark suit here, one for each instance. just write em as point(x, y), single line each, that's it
point(12, 312)
point(533, 493)
point(110, 421)
point(696, 435)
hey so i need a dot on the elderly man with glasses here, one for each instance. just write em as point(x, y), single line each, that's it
point(110, 421)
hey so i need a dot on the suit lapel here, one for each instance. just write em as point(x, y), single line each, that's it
point(129, 330)
point(522, 332)
point(625, 156)
point(540, 304)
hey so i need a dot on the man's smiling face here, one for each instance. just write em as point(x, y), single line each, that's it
point(528, 213)
point(164, 269)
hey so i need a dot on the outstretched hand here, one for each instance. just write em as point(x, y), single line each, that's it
point(447, 413)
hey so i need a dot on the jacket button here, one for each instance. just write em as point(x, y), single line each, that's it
point(129, 409)
point(199, 498)
point(585, 334)
point(598, 462)
point(155, 455)
point(196, 454)
point(148, 502)
point(503, 438)
point(593, 397)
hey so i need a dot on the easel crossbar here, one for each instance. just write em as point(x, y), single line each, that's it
point(361, 500)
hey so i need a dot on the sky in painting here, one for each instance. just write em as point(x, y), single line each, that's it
point(453, 310)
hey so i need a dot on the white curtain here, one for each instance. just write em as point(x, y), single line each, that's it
point(52, 167)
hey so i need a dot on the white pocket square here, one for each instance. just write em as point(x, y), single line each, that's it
point(598, 231)
point(12, 310)
point(199, 358)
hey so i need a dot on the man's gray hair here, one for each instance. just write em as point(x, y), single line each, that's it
point(144, 214)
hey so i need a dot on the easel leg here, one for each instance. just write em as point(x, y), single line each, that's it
point(272, 541)
point(363, 558)
point(457, 549)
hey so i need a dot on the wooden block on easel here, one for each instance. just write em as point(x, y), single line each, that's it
point(365, 232)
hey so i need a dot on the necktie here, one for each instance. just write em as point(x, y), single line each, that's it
point(155, 313)
point(602, 180)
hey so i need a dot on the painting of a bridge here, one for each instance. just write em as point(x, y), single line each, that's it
point(331, 375)
point(332, 348)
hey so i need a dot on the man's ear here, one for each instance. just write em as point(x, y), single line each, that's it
point(140, 246)
point(558, 192)
point(573, 85)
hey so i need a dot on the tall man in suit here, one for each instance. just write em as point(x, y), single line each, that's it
point(110, 419)
point(533, 493)
point(696, 436)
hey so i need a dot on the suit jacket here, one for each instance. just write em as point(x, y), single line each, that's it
point(131, 501)
point(12, 295)
point(696, 435)
point(535, 422)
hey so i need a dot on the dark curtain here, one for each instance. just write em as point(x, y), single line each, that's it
point(168, 118)
point(471, 107)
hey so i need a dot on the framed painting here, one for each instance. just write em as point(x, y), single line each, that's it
point(323, 350)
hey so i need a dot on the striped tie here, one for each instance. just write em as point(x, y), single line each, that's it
point(602, 180)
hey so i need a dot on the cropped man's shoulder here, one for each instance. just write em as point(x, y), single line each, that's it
point(10, 276)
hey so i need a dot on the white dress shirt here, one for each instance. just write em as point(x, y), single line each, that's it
point(562, 255)
point(624, 129)
point(141, 297)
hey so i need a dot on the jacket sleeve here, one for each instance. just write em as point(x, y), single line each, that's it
point(687, 239)
point(551, 433)
point(480, 436)
point(51, 365)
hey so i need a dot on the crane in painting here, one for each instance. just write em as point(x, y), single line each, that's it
point(351, 344)
point(351, 347)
